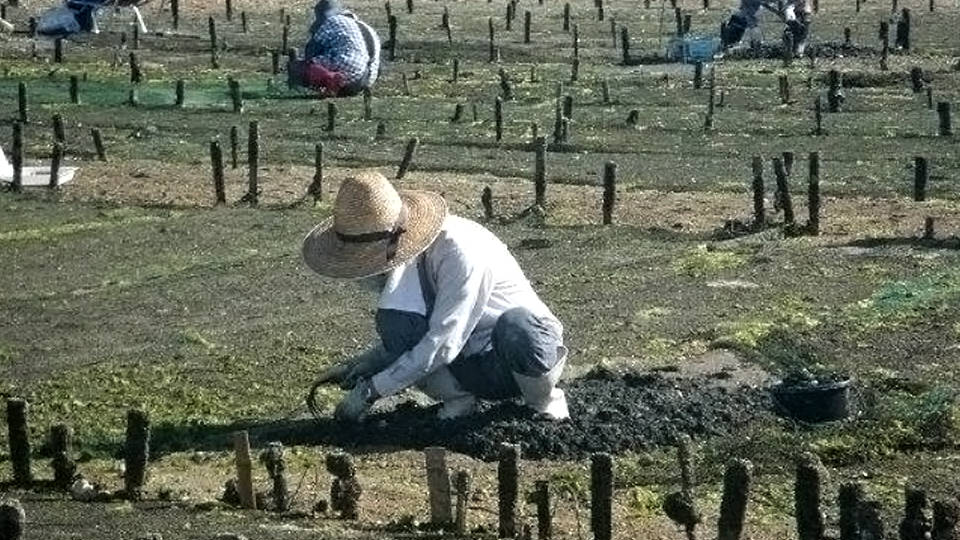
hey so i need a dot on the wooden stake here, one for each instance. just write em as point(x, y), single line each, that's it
point(486, 200)
point(609, 191)
point(229, 9)
point(818, 115)
point(58, 51)
point(285, 38)
point(13, 520)
point(22, 102)
point(316, 186)
point(438, 482)
point(568, 106)
point(137, 449)
point(216, 163)
point(784, 84)
point(916, 79)
point(711, 100)
point(736, 494)
point(834, 95)
point(55, 160)
point(566, 17)
point(787, 49)
point(526, 26)
point(175, 13)
point(605, 91)
point(850, 498)
point(540, 171)
point(847, 37)
point(508, 471)
point(759, 195)
point(575, 70)
point(275, 62)
point(456, 70)
point(461, 483)
point(331, 117)
point(381, 130)
point(74, 90)
point(410, 7)
point(19, 436)
point(929, 97)
point(253, 163)
point(541, 497)
point(408, 154)
point(136, 37)
point(946, 517)
point(136, 76)
point(678, 19)
point(698, 76)
point(98, 144)
point(241, 449)
point(943, 112)
point(625, 44)
point(392, 27)
point(63, 467)
point(234, 143)
point(236, 96)
point(492, 36)
point(180, 94)
point(498, 118)
point(445, 23)
point(212, 28)
point(869, 517)
point(807, 490)
point(243, 22)
point(921, 175)
point(903, 30)
point(601, 495)
point(59, 134)
point(813, 195)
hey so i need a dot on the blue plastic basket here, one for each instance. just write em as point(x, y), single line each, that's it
point(692, 49)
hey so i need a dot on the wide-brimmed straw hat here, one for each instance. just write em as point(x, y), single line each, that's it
point(374, 228)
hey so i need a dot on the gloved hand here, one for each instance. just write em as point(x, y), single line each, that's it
point(357, 402)
point(366, 364)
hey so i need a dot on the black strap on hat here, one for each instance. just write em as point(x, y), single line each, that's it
point(393, 235)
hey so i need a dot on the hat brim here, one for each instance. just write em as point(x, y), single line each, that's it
point(329, 256)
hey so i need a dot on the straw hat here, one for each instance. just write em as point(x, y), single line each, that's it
point(374, 228)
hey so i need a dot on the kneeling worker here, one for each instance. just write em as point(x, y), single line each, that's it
point(457, 318)
point(342, 56)
point(795, 13)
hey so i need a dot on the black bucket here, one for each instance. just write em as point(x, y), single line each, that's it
point(816, 402)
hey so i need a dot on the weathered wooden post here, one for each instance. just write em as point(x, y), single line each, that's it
point(850, 498)
point(408, 154)
point(847, 37)
point(381, 130)
point(541, 498)
point(625, 44)
point(98, 144)
point(946, 517)
point(916, 79)
point(234, 143)
point(807, 488)
point(244, 26)
point(253, 163)
point(783, 189)
point(759, 198)
point(63, 467)
point(566, 17)
point(698, 75)
point(834, 95)
point(526, 26)
point(136, 75)
point(540, 172)
point(13, 520)
point(241, 449)
point(273, 460)
point(316, 186)
point(884, 45)
point(601, 496)
point(788, 158)
point(74, 90)
point(736, 494)
point(869, 516)
point(285, 38)
point(599, 10)
point(609, 191)
point(492, 39)
point(175, 13)
point(438, 482)
point(508, 487)
point(275, 61)
point(58, 51)
point(921, 175)
point(410, 7)
point(575, 70)
point(392, 28)
point(331, 117)
point(605, 91)
point(137, 451)
point(456, 70)
point(461, 483)
point(216, 164)
point(55, 160)
point(445, 23)
point(818, 115)
point(567, 106)
point(678, 19)
point(784, 84)
point(457, 113)
point(180, 94)
point(22, 102)
point(59, 134)
point(813, 195)
point(212, 29)
point(943, 112)
point(929, 97)
point(498, 117)
point(19, 434)
point(915, 524)
point(903, 30)
point(235, 96)
point(229, 9)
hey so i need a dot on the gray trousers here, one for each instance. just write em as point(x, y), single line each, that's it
point(521, 343)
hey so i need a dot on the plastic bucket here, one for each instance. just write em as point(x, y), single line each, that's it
point(814, 403)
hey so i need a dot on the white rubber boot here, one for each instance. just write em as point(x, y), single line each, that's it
point(442, 386)
point(541, 393)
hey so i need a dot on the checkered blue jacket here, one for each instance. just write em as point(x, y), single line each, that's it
point(339, 44)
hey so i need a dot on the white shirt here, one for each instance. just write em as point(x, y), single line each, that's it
point(475, 279)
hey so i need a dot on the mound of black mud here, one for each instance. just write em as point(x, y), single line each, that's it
point(609, 413)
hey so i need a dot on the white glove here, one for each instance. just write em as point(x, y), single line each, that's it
point(357, 402)
point(365, 365)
